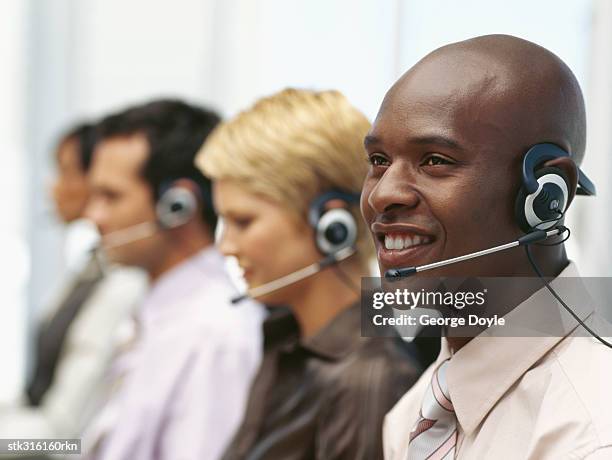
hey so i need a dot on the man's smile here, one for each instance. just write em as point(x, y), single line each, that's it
point(401, 245)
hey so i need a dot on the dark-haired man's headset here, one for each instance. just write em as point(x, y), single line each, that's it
point(335, 233)
point(175, 207)
point(540, 204)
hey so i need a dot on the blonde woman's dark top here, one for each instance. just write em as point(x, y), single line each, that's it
point(324, 397)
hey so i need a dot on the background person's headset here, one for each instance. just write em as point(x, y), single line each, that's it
point(334, 228)
point(335, 234)
point(175, 206)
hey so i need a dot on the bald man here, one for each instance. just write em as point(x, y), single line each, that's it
point(446, 151)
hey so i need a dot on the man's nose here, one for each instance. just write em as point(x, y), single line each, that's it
point(393, 190)
point(94, 211)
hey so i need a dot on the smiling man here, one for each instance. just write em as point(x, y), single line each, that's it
point(446, 152)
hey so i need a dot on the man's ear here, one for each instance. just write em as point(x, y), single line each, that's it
point(567, 165)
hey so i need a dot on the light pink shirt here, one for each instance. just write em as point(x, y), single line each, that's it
point(189, 372)
point(522, 397)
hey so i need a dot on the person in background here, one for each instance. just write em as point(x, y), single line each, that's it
point(287, 175)
point(75, 339)
point(180, 385)
point(70, 190)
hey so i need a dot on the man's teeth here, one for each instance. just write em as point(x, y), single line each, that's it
point(405, 242)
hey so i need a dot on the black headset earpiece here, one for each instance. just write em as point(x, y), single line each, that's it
point(335, 228)
point(544, 208)
point(544, 194)
point(175, 207)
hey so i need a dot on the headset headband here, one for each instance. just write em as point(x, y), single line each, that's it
point(315, 211)
point(544, 152)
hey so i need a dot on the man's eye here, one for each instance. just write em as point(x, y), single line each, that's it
point(436, 160)
point(378, 160)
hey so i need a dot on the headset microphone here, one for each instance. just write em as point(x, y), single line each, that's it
point(530, 238)
point(128, 235)
point(296, 276)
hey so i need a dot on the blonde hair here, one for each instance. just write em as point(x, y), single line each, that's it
point(291, 147)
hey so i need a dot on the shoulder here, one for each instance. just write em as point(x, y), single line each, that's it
point(208, 305)
point(122, 285)
point(229, 326)
point(357, 391)
point(215, 330)
point(603, 453)
point(116, 296)
point(375, 362)
point(582, 370)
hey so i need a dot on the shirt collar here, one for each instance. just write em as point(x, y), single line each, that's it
point(484, 369)
point(280, 328)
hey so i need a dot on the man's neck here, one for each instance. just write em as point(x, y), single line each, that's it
point(551, 262)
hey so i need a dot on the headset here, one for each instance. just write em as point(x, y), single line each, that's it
point(335, 234)
point(544, 194)
point(335, 228)
point(540, 204)
point(175, 207)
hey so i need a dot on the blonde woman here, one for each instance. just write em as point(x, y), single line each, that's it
point(286, 175)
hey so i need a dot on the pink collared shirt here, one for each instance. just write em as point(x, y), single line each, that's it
point(534, 398)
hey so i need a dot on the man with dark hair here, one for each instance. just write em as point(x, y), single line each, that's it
point(182, 384)
point(447, 151)
point(74, 340)
point(147, 150)
point(173, 131)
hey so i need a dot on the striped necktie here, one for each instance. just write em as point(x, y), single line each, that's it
point(434, 437)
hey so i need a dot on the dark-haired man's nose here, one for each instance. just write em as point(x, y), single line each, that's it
point(392, 191)
point(94, 211)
